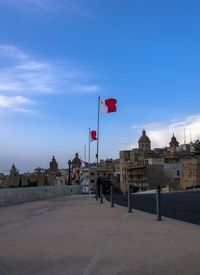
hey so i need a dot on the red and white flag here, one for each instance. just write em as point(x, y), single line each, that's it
point(84, 163)
point(108, 105)
point(93, 135)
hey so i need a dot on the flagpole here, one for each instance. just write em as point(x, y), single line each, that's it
point(98, 130)
point(89, 151)
point(97, 148)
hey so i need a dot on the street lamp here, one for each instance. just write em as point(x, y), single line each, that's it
point(69, 176)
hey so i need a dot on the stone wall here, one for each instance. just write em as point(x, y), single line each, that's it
point(10, 196)
point(190, 175)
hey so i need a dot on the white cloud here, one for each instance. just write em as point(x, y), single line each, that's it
point(15, 103)
point(86, 88)
point(77, 7)
point(10, 51)
point(22, 76)
point(21, 73)
point(160, 133)
point(39, 4)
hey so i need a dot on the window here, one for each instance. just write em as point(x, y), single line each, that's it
point(178, 173)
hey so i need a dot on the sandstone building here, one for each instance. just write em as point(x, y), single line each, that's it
point(53, 170)
point(76, 166)
point(13, 179)
point(190, 176)
point(145, 168)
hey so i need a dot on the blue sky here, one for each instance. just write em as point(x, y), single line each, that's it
point(58, 56)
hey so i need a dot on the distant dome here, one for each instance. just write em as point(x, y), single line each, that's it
point(76, 162)
point(174, 142)
point(13, 167)
point(53, 166)
point(143, 138)
point(144, 142)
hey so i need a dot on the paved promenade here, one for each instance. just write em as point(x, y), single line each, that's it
point(77, 235)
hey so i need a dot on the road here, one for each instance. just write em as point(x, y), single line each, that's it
point(76, 235)
point(183, 206)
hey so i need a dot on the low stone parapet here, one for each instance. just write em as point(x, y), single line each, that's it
point(10, 196)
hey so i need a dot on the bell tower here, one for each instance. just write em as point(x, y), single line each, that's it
point(173, 144)
point(14, 178)
point(53, 166)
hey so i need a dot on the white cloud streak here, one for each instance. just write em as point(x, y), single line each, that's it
point(86, 88)
point(15, 103)
point(74, 7)
point(21, 74)
point(39, 4)
point(160, 133)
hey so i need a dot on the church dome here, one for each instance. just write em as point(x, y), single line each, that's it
point(144, 138)
point(13, 168)
point(144, 142)
point(174, 142)
point(76, 162)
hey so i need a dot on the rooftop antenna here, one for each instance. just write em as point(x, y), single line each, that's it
point(184, 137)
point(85, 152)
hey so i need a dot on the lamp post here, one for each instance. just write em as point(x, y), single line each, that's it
point(69, 176)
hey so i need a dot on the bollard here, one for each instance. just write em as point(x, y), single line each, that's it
point(101, 193)
point(111, 196)
point(129, 199)
point(97, 192)
point(158, 204)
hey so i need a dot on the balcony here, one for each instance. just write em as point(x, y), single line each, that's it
point(136, 165)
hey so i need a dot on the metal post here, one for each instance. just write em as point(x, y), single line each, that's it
point(111, 196)
point(158, 205)
point(129, 199)
point(101, 193)
point(69, 176)
point(96, 191)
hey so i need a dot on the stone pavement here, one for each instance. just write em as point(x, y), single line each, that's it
point(78, 235)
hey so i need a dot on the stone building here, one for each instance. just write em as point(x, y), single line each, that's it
point(173, 144)
point(53, 166)
point(3, 182)
point(144, 142)
point(53, 170)
point(108, 170)
point(76, 166)
point(104, 171)
point(38, 178)
point(13, 180)
point(142, 171)
point(145, 168)
point(190, 176)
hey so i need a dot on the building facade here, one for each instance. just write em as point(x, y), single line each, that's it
point(144, 168)
point(75, 167)
point(190, 175)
